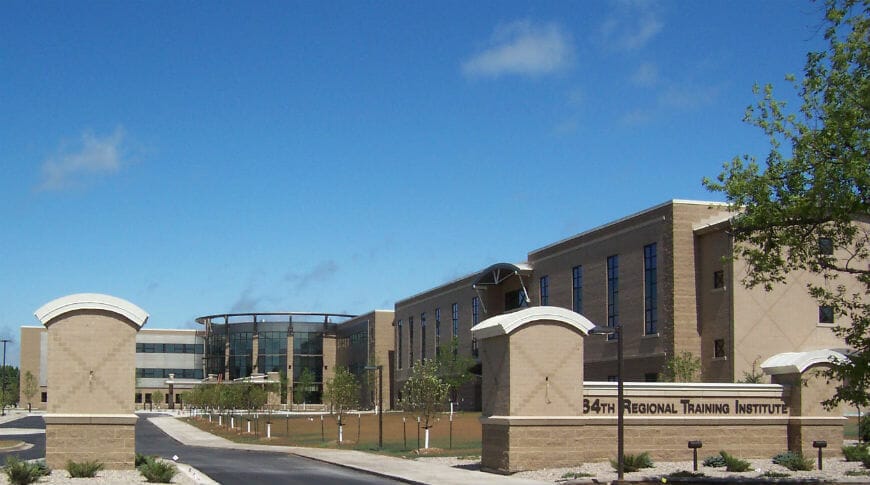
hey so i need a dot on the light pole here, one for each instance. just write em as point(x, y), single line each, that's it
point(620, 407)
point(5, 341)
point(380, 369)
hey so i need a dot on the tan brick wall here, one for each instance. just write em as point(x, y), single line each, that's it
point(714, 307)
point(784, 319)
point(517, 448)
point(546, 370)
point(329, 360)
point(113, 445)
point(495, 361)
point(91, 363)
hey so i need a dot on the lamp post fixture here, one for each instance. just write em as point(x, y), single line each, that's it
point(380, 369)
point(620, 406)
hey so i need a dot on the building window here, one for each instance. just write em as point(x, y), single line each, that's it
point(43, 397)
point(612, 294)
point(437, 331)
point(545, 290)
point(455, 311)
point(826, 314)
point(399, 338)
point(651, 377)
point(411, 341)
point(577, 289)
point(423, 335)
point(719, 279)
point(650, 290)
point(138, 398)
point(826, 246)
point(611, 378)
point(514, 299)
point(719, 348)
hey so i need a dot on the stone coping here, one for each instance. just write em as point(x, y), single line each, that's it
point(638, 420)
point(116, 419)
point(817, 420)
point(507, 323)
point(91, 301)
point(682, 389)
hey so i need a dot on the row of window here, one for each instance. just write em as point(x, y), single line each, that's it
point(650, 301)
point(149, 348)
point(151, 373)
point(517, 298)
point(454, 326)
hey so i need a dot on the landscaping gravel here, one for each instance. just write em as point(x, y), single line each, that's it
point(104, 477)
point(833, 470)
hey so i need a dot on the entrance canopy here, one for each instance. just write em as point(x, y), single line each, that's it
point(499, 272)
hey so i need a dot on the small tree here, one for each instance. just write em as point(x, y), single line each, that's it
point(342, 394)
point(157, 398)
point(683, 367)
point(31, 387)
point(424, 393)
point(303, 386)
point(454, 369)
point(754, 376)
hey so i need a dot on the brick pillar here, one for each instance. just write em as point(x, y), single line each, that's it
point(92, 387)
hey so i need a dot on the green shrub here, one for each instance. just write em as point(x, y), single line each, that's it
point(855, 453)
point(21, 472)
point(83, 469)
point(793, 461)
point(571, 475)
point(156, 471)
point(686, 474)
point(857, 473)
point(715, 461)
point(734, 464)
point(633, 463)
point(865, 428)
point(866, 460)
point(143, 459)
point(44, 470)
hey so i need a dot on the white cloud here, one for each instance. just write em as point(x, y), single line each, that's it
point(631, 25)
point(522, 48)
point(91, 156)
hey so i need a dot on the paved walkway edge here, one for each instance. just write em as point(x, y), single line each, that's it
point(404, 470)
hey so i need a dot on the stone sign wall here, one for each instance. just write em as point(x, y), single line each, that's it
point(538, 413)
point(91, 374)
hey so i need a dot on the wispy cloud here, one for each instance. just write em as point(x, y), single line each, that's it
point(522, 48)
point(631, 25)
point(91, 156)
point(688, 97)
point(323, 271)
point(646, 75)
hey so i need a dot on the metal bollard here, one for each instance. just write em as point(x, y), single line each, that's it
point(820, 444)
point(694, 445)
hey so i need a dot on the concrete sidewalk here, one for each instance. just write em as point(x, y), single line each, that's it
point(410, 471)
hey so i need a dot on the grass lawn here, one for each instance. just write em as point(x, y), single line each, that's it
point(360, 432)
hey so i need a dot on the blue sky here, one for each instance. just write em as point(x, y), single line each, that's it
point(199, 158)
